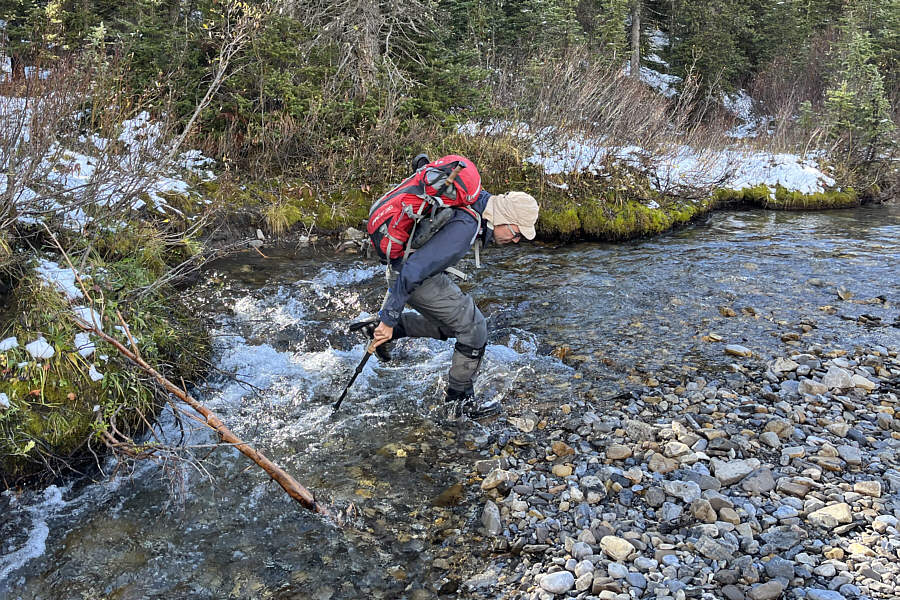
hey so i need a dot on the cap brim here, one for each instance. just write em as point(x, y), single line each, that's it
point(528, 232)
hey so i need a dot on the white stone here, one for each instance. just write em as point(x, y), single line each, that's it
point(490, 518)
point(784, 365)
point(617, 571)
point(837, 378)
point(496, 477)
point(737, 350)
point(558, 583)
point(808, 386)
point(686, 491)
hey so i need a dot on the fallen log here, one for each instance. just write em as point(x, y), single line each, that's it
point(290, 485)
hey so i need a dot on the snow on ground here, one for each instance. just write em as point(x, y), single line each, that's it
point(662, 83)
point(63, 279)
point(4, 401)
point(8, 344)
point(40, 349)
point(676, 167)
point(740, 105)
point(84, 345)
point(72, 181)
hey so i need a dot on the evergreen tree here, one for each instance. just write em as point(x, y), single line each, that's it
point(857, 109)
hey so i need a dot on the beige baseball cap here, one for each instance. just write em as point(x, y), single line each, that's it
point(513, 208)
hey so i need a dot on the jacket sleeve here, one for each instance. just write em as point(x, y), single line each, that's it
point(443, 250)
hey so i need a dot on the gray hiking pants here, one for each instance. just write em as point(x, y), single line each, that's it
point(444, 311)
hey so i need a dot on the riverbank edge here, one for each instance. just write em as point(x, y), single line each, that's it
point(291, 212)
point(622, 208)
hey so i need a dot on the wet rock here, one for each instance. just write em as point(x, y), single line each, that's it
point(738, 350)
point(490, 518)
point(558, 583)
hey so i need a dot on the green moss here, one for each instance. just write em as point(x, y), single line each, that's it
point(794, 200)
point(761, 196)
point(52, 420)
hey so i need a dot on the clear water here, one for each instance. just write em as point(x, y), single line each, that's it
point(223, 530)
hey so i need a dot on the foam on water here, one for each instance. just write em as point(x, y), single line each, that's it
point(50, 504)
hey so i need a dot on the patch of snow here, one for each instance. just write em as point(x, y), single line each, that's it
point(83, 344)
point(8, 344)
point(654, 58)
point(4, 401)
point(658, 39)
point(741, 106)
point(94, 374)
point(31, 72)
point(681, 166)
point(40, 349)
point(89, 316)
point(62, 278)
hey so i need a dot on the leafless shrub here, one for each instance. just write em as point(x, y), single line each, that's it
point(609, 117)
point(369, 35)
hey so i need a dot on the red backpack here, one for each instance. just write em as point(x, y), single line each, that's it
point(393, 217)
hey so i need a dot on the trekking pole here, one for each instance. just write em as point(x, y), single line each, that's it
point(369, 351)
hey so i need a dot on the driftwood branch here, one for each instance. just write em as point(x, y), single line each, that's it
point(290, 485)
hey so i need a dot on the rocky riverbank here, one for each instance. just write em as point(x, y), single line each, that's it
point(778, 479)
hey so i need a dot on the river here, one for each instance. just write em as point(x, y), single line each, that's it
point(566, 322)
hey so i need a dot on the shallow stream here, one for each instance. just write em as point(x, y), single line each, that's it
point(567, 323)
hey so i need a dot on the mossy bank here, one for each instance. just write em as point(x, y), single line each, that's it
point(71, 396)
point(620, 205)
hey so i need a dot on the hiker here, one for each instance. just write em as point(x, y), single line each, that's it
point(420, 280)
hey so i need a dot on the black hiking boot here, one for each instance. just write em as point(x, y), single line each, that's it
point(462, 404)
point(368, 329)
